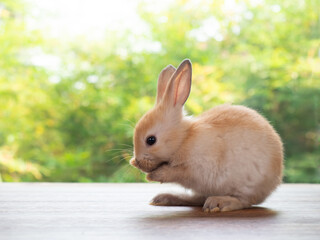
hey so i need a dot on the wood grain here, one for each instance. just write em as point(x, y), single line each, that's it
point(121, 211)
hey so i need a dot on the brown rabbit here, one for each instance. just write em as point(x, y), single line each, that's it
point(230, 156)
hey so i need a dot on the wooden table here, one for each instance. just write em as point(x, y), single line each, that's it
point(121, 211)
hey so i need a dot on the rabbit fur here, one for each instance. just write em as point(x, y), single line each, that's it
point(230, 156)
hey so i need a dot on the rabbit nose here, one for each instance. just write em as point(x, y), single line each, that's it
point(134, 162)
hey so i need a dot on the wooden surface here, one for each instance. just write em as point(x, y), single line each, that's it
point(121, 211)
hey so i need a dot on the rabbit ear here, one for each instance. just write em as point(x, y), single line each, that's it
point(163, 79)
point(178, 88)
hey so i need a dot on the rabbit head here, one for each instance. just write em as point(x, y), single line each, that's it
point(161, 131)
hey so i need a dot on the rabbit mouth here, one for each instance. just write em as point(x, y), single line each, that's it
point(159, 166)
point(147, 165)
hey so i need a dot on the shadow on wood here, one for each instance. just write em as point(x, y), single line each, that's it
point(196, 212)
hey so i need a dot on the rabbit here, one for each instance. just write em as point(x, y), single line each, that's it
point(230, 156)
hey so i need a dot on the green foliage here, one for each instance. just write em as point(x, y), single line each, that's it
point(75, 122)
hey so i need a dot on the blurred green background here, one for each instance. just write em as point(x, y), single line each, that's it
point(69, 101)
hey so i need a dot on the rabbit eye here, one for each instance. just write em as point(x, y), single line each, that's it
point(151, 140)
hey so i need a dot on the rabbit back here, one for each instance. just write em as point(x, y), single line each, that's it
point(234, 151)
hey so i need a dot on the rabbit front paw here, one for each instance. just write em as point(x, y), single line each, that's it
point(222, 203)
point(166, 199)
point(158, 175)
